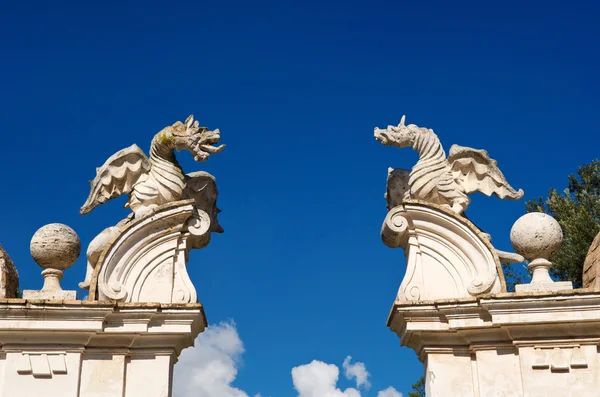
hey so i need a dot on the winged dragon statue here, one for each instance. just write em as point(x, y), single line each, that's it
point(442, 180)
point(155, 180)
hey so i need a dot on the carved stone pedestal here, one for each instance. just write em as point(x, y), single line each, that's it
point(475, 339)
point(446, 255)
point(92, 349)
point(146, 259)
point(508, 344)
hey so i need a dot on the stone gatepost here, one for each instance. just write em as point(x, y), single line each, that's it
point(141, 308)
point(452, 308)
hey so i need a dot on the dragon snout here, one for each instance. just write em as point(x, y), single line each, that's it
point(382, 136)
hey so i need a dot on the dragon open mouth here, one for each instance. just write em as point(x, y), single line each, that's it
point(212, 149)
point(206, 147)
point(382, 136)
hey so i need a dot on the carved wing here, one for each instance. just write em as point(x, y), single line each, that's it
point(476, 171)
point(116, 176)
point(202, 187)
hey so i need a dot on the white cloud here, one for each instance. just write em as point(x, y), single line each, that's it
point(356, 371)
point(389, 392)
point(319, 379)
point(210, 367)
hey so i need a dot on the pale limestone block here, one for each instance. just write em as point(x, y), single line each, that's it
point(556, 334)
point(102, 375)
point(544, 286)
point(560, 369)
point(35, 372)
point(159, 364)
point(86, 349)
point(448, 374)
point(499, 372)
point(57, 295)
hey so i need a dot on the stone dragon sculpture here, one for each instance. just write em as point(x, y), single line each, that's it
point(442, 180)
point(439, 179)
point(154, 181)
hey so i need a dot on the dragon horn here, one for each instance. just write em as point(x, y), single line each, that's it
point(402, 121)
point(189, 121)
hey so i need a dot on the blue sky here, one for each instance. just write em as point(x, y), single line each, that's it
point(296, 89)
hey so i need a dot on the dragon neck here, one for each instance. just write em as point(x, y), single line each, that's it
point(431, 166)
point(165, 170)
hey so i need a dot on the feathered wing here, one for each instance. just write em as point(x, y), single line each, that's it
point(116, 176)
point(476, 171)
point(202, 187)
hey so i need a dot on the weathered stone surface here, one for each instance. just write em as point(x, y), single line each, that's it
point(9, 278)
point(145, 261)
point(440, 180)
point(591, 266)
point(397, 186)
point(447, 256)
point(55, 246)
point(511, 344)
point(443, 181)
point(92, 349)
point(155, 181)
point(536, 235)
point(544, 286)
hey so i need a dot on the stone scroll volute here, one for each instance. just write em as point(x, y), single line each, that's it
point(446, 256)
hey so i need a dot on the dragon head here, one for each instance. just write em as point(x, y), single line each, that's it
point(189, 135)
point(400, 136)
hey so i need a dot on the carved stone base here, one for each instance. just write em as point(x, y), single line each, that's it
point(92, 349)
point(146, 260)
point(446, 255)
point(508, 344)
point(541, 287)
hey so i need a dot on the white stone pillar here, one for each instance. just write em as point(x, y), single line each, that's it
point(93, 349)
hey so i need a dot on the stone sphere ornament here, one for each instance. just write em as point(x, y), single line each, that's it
point(55, 246)
point(536, 235)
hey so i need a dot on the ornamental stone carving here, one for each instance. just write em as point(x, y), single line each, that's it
point(447, 255)
point(143, 257)
point(439, 180)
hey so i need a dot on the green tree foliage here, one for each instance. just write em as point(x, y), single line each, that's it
point(577, 210)
point(418, 389)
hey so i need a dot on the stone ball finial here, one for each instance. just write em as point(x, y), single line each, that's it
point(536, 236)
point(55, 246)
